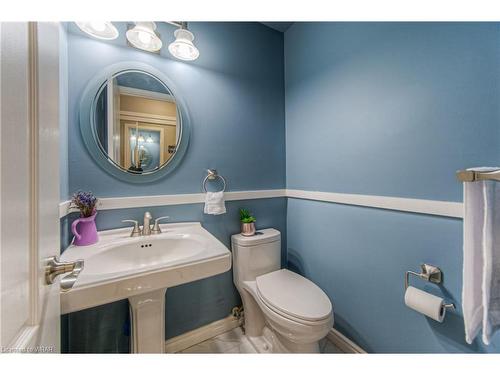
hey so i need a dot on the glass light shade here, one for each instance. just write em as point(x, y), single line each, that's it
point(149, 139)
point(143, 36)
point(140, 139)
point(183, 47)
point(99, 29)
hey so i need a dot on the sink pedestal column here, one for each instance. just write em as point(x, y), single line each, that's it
point(147, 318)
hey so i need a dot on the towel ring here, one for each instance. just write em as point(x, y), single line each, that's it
point(213, 175)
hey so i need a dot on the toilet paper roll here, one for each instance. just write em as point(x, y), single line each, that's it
point(425, 303)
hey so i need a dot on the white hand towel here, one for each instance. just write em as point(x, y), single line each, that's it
point(481, 268)
point(472, 299)
point(491, 257)
point(214, 203)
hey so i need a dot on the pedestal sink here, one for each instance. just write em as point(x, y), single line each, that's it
point(141, 269)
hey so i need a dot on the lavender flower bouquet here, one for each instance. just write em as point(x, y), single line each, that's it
point(85, 202)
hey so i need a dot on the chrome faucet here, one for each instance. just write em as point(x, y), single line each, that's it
point(146, 226)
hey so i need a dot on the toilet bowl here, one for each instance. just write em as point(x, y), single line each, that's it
point(284, 312)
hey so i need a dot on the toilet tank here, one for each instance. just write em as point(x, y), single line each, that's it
point(255, 255)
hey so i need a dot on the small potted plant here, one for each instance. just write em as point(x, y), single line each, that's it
point(247, 222)
point(84, 228)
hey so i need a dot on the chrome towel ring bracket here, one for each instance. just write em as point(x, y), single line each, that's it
point(212, 175)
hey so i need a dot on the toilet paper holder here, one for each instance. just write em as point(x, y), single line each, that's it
point(430, 273)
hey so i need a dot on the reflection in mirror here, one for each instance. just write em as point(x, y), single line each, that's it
point(136, 122)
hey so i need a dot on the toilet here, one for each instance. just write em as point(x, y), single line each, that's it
point(284, 312)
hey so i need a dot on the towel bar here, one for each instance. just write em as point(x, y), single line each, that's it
point(469, 175)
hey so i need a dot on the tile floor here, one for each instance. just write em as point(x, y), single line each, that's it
point(236, 342)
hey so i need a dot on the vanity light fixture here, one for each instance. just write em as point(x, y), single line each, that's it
point(140, 138)
point(99, 29)
point(149, 139)
point(143, 36)
point(183, 47)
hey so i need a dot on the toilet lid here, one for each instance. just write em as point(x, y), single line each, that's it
point(294, 295)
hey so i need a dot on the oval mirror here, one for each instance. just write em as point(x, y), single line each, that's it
point(133, 124)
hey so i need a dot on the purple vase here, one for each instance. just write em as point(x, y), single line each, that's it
point(86, 233)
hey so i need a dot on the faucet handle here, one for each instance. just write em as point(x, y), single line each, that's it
point(136, 231)
point(156, 227)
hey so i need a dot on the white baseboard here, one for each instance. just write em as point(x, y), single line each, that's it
point(188, 339)
point(343, 343)
point(196, 336)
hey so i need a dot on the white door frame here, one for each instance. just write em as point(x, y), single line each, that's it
point(29, 224)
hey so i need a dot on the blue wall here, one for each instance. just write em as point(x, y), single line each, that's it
point(387, 109)
point(390, 108)
point(235, 95)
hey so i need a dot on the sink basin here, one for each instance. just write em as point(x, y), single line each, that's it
point(135, 255)
point(141, 269)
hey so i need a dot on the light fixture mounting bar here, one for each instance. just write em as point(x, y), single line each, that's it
point(181, 24)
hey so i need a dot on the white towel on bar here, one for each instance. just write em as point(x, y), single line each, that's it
point(214, 203)
point(481, 270)
point(491, 253)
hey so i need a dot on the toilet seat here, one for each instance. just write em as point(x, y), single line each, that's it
point(294, 297)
